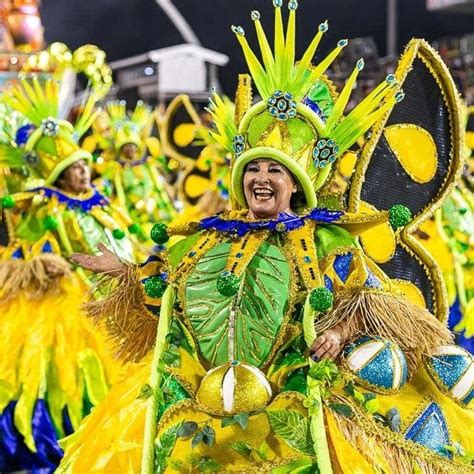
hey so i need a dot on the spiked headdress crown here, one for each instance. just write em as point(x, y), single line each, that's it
point(284, 125)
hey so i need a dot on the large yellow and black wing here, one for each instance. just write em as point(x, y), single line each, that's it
point(412, 158)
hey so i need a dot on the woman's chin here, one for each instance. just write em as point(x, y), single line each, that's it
point(264, 211)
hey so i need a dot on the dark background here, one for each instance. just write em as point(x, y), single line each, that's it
point(128, 27)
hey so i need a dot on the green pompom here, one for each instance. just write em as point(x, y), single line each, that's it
point(399, 216)
point(228, 284)
point(134, 228)
point(8, 202)
point(321, 299)
point(155, 287)
point(159, 233)
point(118, 234)
point(50, 223)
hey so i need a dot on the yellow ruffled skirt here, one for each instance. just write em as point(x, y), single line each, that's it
point(51, 352)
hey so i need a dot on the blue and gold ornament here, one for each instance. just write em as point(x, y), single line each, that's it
point(452, 369)
point(377, 363)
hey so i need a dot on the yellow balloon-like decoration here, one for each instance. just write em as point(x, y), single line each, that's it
point(88, 60)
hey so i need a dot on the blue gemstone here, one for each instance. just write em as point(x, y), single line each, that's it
point(239, 255)
point(234, 363)
point(283, 116)
point(342, 265)
point(325, 153)
point(322, 164)
point(47, 247)
point(307, 259)
point(430, 430)
point(321, 144)
point(315, 152)
point(372, 281)
point(328, 283)
point(18, 254)
point(192, 253)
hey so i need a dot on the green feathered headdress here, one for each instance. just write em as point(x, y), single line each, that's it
point(51, 147)
point(283, 126)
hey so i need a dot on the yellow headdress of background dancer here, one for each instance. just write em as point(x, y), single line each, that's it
point(281, 126)
point(52, 144)
point(130, 128)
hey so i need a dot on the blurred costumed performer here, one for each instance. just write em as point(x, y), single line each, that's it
point(131, 161)
point(54, 367)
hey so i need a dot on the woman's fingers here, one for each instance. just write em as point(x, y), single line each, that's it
point(326, 346)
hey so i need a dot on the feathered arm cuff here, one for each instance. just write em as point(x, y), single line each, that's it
point(127, 306)
point(365, 303)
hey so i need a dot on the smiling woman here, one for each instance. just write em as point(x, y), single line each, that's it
point(268, 188)
point(280, 345)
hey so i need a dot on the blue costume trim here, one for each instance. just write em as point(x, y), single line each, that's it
point(285, 222)
point(85, 205)
point(430, 430)
point(15, 455)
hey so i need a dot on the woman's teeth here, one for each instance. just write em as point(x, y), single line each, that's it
point(263, 194)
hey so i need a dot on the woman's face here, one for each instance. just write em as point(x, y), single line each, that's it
point(268, 187)
point(129, 151)
point(76, 179)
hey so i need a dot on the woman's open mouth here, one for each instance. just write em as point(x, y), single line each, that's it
point(263, 194)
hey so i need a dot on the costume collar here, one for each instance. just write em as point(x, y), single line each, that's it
point(285, 222)
point(86, 203)
point(133, 163)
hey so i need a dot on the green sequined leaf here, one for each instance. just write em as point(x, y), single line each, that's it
point(262, 302)
point(164, 446)
point(293, 428)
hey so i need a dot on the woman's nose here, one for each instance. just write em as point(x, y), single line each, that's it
point(261, 178)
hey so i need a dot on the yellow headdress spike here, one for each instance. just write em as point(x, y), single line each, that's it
point(267, 54)
point(87, 116)
point(117, 110)
point(32, 101)
point(320, 69)
point(223, 114)
point(258, 73)
point(142, 114)
point(343, 98)
point(305, 62)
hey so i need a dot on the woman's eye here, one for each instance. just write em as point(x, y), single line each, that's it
point(275, 170)
point(252, 169)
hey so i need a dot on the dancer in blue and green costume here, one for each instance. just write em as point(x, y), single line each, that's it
point(243, 300)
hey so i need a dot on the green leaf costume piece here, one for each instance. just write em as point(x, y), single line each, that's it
point(293, 427)
point(262, 304)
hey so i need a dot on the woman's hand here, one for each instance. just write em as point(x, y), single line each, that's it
point(107, 262)
point(328, 345)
